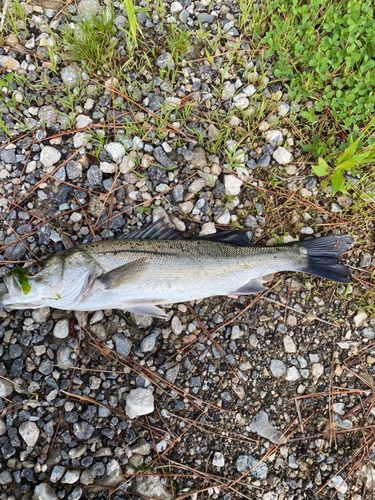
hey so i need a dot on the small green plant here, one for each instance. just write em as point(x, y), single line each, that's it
point(92, 41)
point(246, 7)
point(160, 9)
point(177, 41)
point(16, 12)
point(134, 28)
point(317, 148)
point(5, 83)
point(4, 128)
point(353, 157)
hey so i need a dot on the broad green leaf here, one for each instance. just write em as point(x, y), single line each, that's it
point(346, 165)
point(348, 153)
point(338, 182)
point(322, 169)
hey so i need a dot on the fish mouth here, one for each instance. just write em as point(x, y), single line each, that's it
point(14, 298)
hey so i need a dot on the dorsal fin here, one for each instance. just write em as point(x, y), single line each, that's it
point(158, 230)
point(234, 237)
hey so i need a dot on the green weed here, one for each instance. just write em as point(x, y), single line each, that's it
point(14, 13)
point(332, 46)
point(92, 42)
point(134, 28)
point(177, 41)
point(354, 156)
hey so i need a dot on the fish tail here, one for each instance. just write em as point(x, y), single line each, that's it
point(323, 257)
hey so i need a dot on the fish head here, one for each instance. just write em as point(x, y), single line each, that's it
point(57, 281)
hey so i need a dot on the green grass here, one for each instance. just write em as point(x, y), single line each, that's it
point(324, 50)
point(134, 29)
point(14, 13)
point(92, 42)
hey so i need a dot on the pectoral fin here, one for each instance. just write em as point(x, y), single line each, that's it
point(123, 275)
point(146, 310)
point(251, 288)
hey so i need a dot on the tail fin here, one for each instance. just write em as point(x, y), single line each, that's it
point(323, 253)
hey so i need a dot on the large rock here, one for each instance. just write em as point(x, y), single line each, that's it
point(29, 432)
point(151, 486)
point(140, 401)
point(44, 492)
point(232, 185)
point(88, 7)
point(260, 424)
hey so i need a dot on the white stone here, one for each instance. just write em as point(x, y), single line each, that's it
point(178, 224)
point(176, 7)
point(283, 110)
point(249, 90)
point(282, 156)
point(69, 75)
point(236, 333)
point(49, 156)
point(208, 228)
point(317, 370)
point(218, 460)
point(292, 374)
point(71, 476)
point(107, 168)
point(29, 432)
point(359, 319)
point(289, 345)
point(339, 484)
point(126, 165)
point(9, 63)
point(197, 185)
point(162, 188)
point(151, 487)
point(3, 427)
point(44, 491)
point(40, 315)
point(232, 185)
point(186, 207)
point(224, 218)
point(242, 103)
point(140, 401)
point(234, 121)
point(83, 121)
point(274, 137)
point(61, 330)
point(81, 139)
point(213, 132)
point(116, 151)
point(228, 91)
point(264, 126)
point(88, 7)
point(176, 325)
point(6, 388)
point(166, 147)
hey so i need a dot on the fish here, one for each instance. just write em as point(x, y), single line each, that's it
point(155, 266)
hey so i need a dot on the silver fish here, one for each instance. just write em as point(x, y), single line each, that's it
point(155, 266)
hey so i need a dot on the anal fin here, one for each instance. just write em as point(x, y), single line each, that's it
point(251, 288)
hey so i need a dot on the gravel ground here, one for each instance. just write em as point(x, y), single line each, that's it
point(230, 398)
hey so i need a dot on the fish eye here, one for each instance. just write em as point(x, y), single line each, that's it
point(34, 269)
